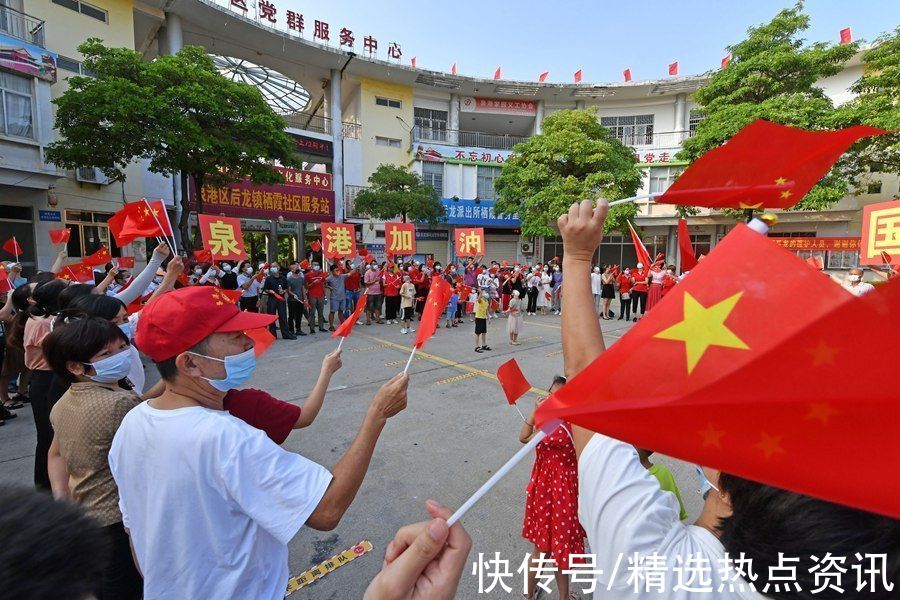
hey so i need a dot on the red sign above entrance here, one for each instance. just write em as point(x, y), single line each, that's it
point(288, 200)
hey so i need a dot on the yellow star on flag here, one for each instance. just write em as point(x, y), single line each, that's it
point(770, 445)
point(823, 354)
point(780, 181)
point(703, 327)
point(822, 412)
point(786, 194)
point(711, 436)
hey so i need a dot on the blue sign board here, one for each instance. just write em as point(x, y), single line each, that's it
point(50, 215)
point(476, 213)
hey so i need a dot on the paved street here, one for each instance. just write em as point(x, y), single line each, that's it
point(456, 431)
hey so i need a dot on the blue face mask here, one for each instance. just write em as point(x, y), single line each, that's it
point(705, 484)
point(238, 369)
point(128, 329)
point(112, 368)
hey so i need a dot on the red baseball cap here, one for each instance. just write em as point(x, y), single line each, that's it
point(181, 319)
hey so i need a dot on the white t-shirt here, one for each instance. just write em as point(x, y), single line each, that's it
point(596, 283)
point(623, 511)
point(136, 374)
point(252, 290)
point(860, 289)
point(210, 501)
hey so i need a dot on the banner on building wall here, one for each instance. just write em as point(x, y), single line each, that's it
point(310, 179)
point(880, 233)
point(817, 243)
point(460, 154)
point(476, 212)
point(21, 57)
point(400, 239)
point(338, 240)
point(498, 106)
point(222, 237)
point(469, 241)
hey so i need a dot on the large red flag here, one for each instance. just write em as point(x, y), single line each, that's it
point(688, 257)
point(453, 69)
point(512, 380)
point(765, 165)
point(725, 60)
point(673, 68)
point(13, 247)
point(139, 219)
point(346, 327)
point(59, 236)
point(498, 73)
point(846, 36)
point(723, 343)
point(578, 75)
point(627, 75)
point(100, 257)
point(543, 76)
point(642, 255)
point(435, 303)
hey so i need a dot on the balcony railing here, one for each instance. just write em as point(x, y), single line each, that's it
point(21, 26)
point(664, 139)
point(321, 124)
point(476, 139)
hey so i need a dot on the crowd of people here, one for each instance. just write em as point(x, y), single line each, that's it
point(190, 495)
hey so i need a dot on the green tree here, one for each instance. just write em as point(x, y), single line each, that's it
point(178, 112)
point(394, 192)
point(773, 75)
point(878, 104)
point(573, 158)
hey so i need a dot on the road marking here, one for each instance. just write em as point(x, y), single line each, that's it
point(533, 338)
point(455, 379)
point(402, 361)
point(557, 353)
point(442, 361)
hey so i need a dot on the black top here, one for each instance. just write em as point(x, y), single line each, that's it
point(228, 281)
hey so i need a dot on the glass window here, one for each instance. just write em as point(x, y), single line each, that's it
point(485, 183)
point(89, 232)
point(701, 244)
point(15, 106)
point(84, 8)
point(390, 102)
point(431, 124)
point(433, 175)
point(843, 259)
point(695, 118)
point(662, 177)
point(873, 187)
point(631, 130)
point(386, 141)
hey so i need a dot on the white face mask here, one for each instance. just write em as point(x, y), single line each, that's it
point(112, 368)
point(854, 278)
point(596, 269)
point(198, 271)
point(640, 265)
point(226, 268)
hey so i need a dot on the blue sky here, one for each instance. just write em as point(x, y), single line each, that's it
point(603, 37)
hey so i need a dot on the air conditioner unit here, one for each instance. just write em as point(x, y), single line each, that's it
point(91, 175)
point(526, 248)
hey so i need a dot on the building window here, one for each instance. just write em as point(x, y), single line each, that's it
point(15, 106)
point(431, 124)
point(633, 130)
point(85, 9)
point(89, 232)
point(553, 246)
point(873, 187)
point(694, 121)
point(386, 141)
point(389, 102)
point(842, 259)
point(701, 244)
point(433, 175)
point(485, 184)
point(70, 64)
point(662, 177)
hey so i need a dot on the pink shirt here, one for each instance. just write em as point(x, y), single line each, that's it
point(373, 277)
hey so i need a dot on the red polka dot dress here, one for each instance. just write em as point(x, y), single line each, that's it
point(551, 499)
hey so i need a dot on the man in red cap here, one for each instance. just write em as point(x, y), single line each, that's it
point(209, 501)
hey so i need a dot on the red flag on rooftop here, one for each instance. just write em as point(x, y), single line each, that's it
point(627, 75)
point(765, 165)
point(719, 343)
point(846, 36)
point(98, 258)
point(139, 219)
point(59, 236)
point(725, 60)
point(453, 69)
point(412, 61)
point(642, 255)
point(346, 327)
point(673, 68)
point(543, 76)
point(435, 302)
point(512, 380)
point(498, 73)
point(578, 75)
point(688, 257)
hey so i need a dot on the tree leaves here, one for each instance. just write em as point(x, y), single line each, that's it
point(395, 192)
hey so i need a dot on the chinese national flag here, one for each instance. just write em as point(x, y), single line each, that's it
point(642, 255)
point(139, 219)
point(5, 283)
point(578, 75)
point(400, 238)
point(412, 62)
point(765, 165)
point(79, 272)
point(627, 75)
point(469, 241)
point(543, 76)
point(453, 69)
point(262, 339)
point(59, 236)
point(816, 262)
point(725, 347)
point(512, 380)
point(846, 36)
point(339, 240)
point(725, 60)
point(498, 73)
point(438, 296)
point(222, 236)
point(203, 256)
point(315, 246)
point(346, 327)
point(673, 68)
point(125, 262)
point(13, 247)
point(100, 257)
point(688, 257)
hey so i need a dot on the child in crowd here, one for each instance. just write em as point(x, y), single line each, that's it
point(407, 303)
point(481, 313)
point(664, 475)
point(450, 312)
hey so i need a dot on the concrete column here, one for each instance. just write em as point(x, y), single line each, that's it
point(337, 164)
point(538, 117)
point(673, 254)
point(453, 125)
point(272, 250)
point(174, 34)
point(679, 112)
point(579, 104)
